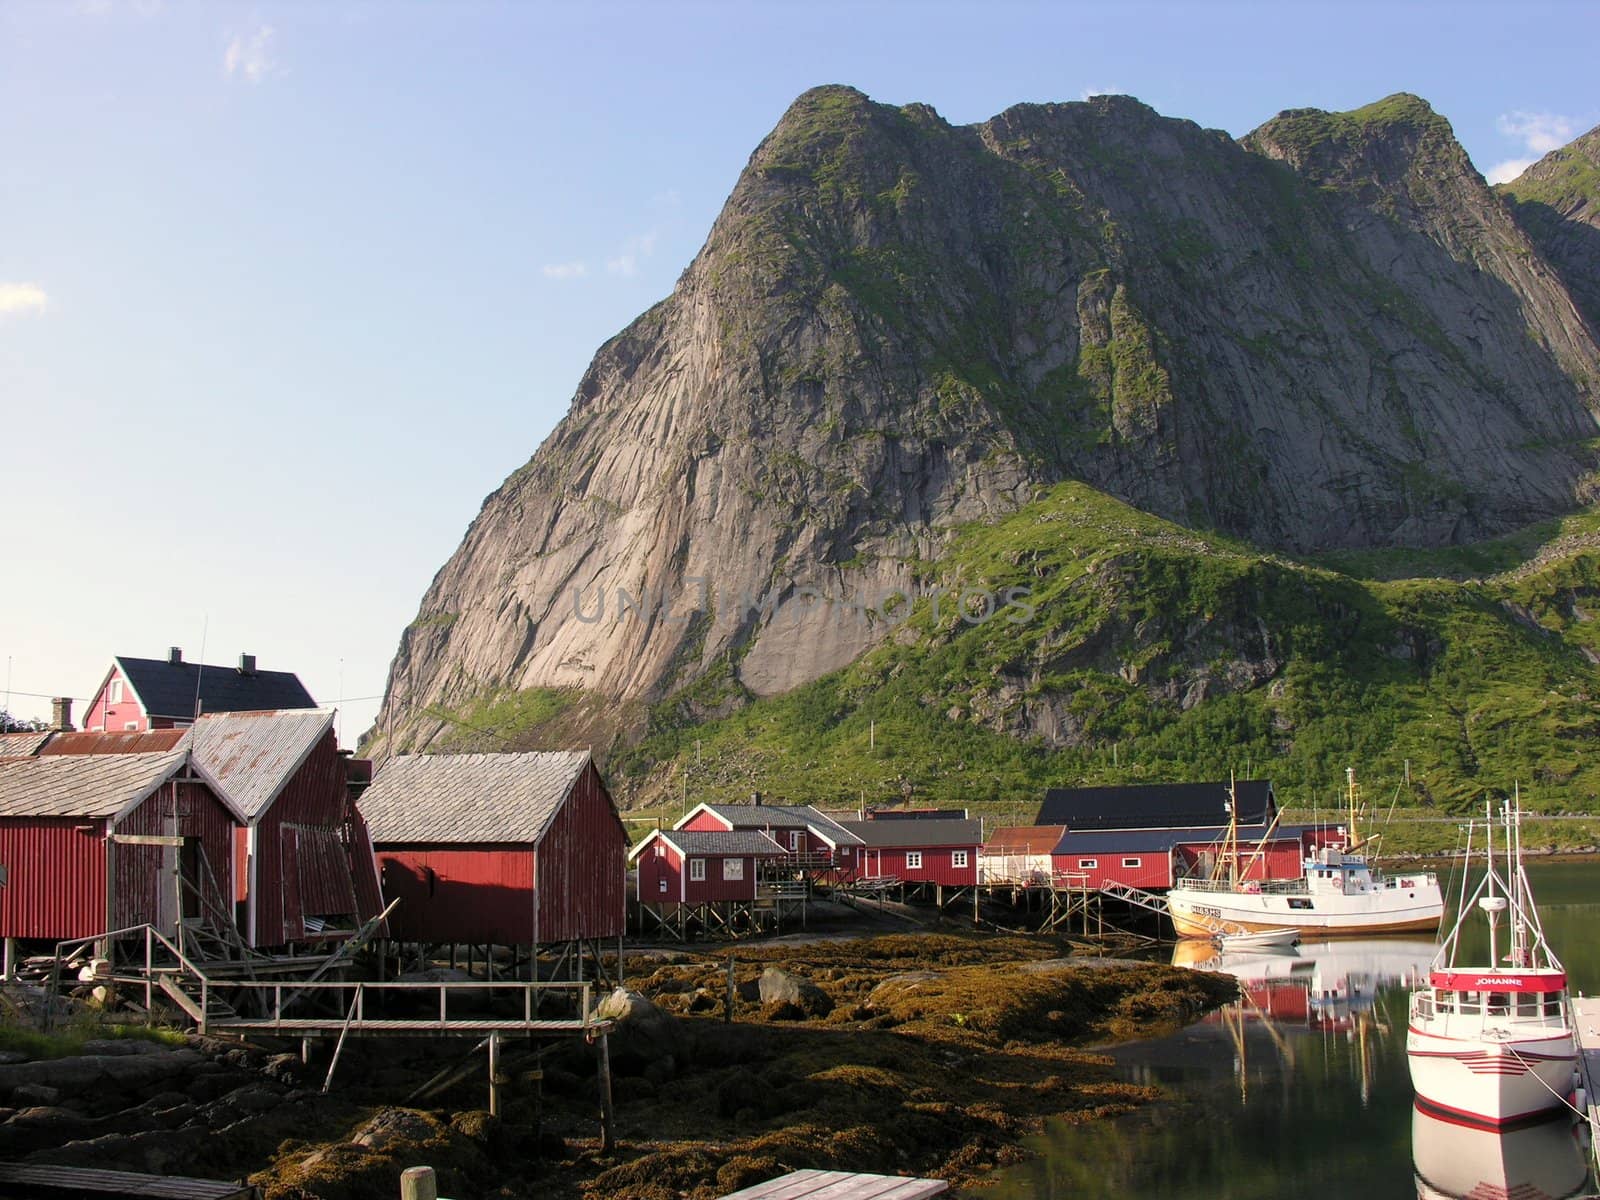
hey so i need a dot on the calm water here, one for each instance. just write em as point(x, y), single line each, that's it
point(1302, 1088)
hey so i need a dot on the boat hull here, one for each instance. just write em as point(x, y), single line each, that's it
point(1490, 1083)
point(1198, 914)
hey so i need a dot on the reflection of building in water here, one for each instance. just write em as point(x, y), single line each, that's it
point(1320, 987)
point(1540, 1162)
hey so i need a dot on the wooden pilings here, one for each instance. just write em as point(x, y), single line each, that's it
point(608, 1122)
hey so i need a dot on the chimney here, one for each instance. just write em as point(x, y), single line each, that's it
point(247, 664)
point(61, 714)
point(175, 656)
point(755, 797)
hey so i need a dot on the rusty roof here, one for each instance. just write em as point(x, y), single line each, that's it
point(83, 785)
point(455, 798)
point(248, 757)
point(149, 741)
point(1039, 839)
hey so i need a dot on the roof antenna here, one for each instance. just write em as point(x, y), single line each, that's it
point(200, 667)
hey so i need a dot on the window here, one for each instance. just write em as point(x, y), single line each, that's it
point(1088, 864)
point(131, 726)
point(913, 860)
point(958, 858)
point(1299, 902)
point(733, 868)
point(1130, 862)
point(661, 849)
point(114, 692)
point(697, 869)
point(661, 886)
point(794, 840)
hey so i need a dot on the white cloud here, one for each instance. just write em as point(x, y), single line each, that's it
point(626, 261)
point(1539, 132)
point(250, 57)
point(1101, 91)
point(567, 270)
point(22, 298)
point(1505, 172)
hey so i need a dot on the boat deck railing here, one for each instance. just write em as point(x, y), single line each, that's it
point(1290, 887)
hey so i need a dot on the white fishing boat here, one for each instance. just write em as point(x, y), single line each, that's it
point(1338, 893)
point(1490, 1041)
point(1543, 1161)
point(1260, 939)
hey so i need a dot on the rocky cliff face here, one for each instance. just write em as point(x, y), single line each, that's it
point(1557, 200)
point(1331, 334)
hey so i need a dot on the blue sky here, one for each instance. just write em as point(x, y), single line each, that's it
point(287, 289)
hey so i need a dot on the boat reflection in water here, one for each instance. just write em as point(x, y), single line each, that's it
point(1535, 1162)
point(1326, 987)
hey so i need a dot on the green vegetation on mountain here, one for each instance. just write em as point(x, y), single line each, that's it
point(1152, 652)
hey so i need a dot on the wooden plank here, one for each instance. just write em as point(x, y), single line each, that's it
point(45, 1180)
point(841, 1185)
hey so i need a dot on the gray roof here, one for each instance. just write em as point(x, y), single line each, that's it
point(717, 841)
point(248, 757)
point(917, 833)
point(20, 745)
point(783, 816)
point(92, 785)
point(451, 798)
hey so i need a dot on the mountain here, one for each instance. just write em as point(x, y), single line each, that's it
point(1557, 200)
point(902, 338)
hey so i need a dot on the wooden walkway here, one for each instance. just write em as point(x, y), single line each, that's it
point(1586, 1019)
point(72, 1183)
point(841, 1185)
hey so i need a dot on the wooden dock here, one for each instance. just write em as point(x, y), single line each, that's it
point(841, 1185)
point(28, 1182)
point(1586, 1022)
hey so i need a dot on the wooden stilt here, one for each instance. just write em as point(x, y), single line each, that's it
point(494, 1073)
point(608, 1132)
point(418, 1183)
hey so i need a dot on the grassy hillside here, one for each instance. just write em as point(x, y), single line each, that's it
point(1143, 651)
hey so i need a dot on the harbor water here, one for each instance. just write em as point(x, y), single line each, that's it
point(1301, 1087)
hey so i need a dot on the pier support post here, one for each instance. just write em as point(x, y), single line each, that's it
point(608, 1131)
point(418, 1183)
point(494, 1073)
point(11, 960)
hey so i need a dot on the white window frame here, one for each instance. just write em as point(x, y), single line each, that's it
point(794, 841)
point(1132, 862)
point(913, 860)
point(1088, 864)
point(114, 692)
point(697, 870)
point(733, 870)
point(131, 726)
point(958, 858)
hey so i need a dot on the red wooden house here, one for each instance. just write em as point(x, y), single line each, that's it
point(499, 849)
point(92, 842)
point(304, 866)
point(812, 841)
point(701, 866)
point(153, 693)
point(942, 852)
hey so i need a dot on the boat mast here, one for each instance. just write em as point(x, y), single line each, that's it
point(1352, 839)
point(1489, 909)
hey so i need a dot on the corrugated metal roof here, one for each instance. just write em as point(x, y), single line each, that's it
point(452, 798)
point(917, 833)
point(1107, 841)
point(248, 757)
point(21, 745)
point(916, 814)
point(784, 816)
point(151, 741)
point(96, 785)
point(1038, 839)
point(168, 689)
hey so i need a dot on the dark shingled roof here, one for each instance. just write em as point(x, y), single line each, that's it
point(917, 833)
point(1156, 805)
point(167, 689)
point(783, 816)
point(917, 814)
point(719, 842)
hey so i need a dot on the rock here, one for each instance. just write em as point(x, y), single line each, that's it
point(781, 987)
point(643, 1034)
point(7, 1057)
point(253, 1098)
point(122, 1047)
point(35, 1094)
point(285, 1068)
point(394, 1125)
